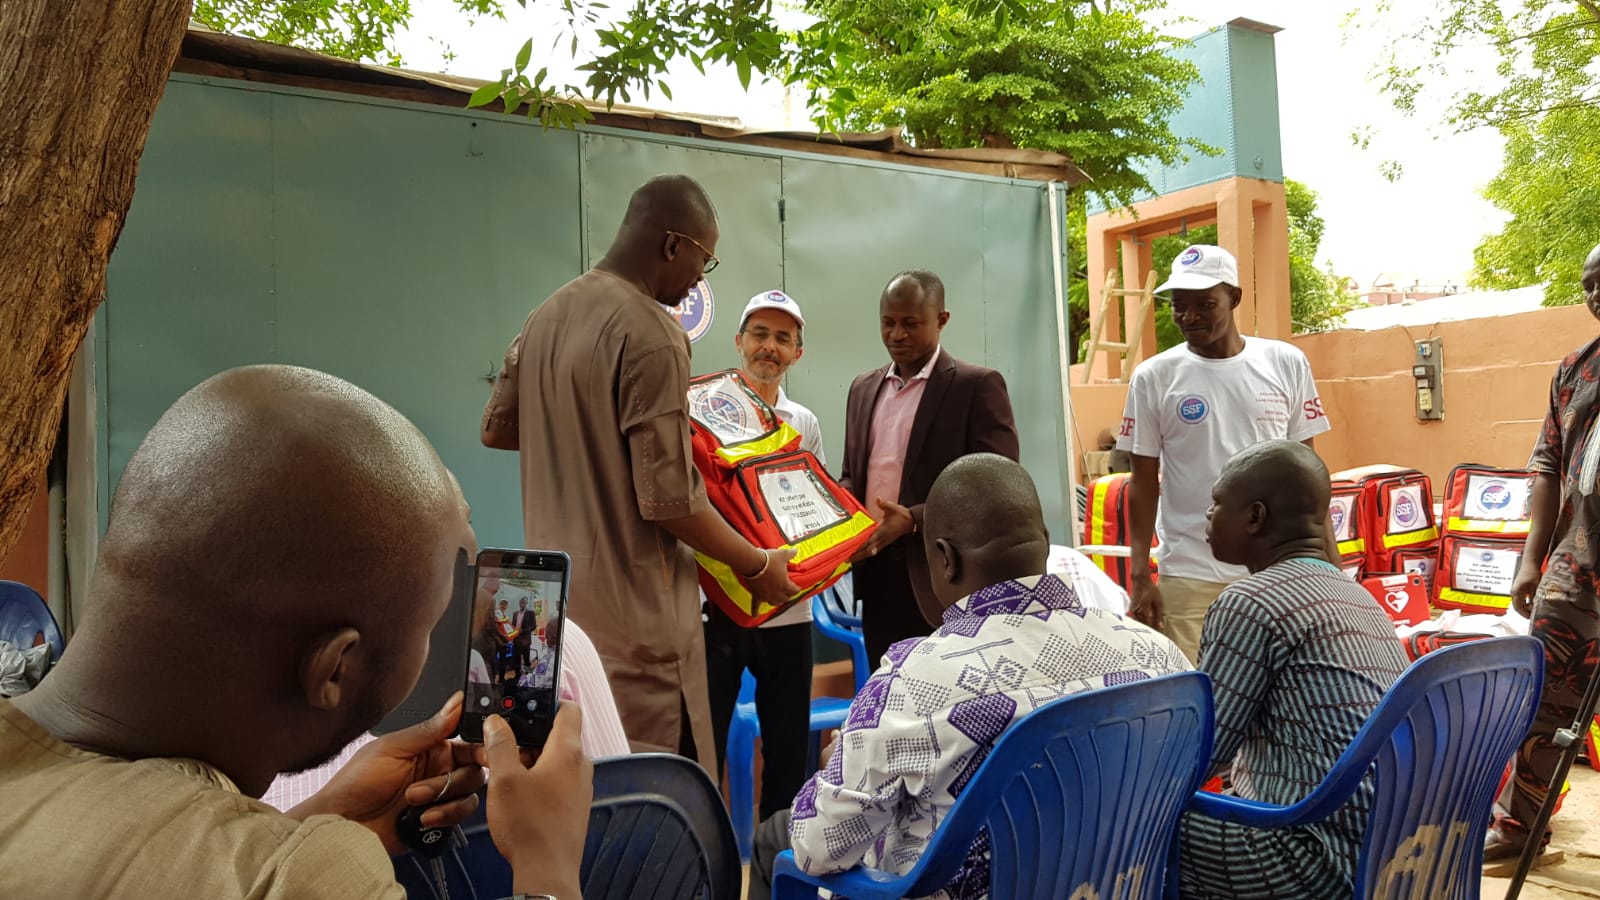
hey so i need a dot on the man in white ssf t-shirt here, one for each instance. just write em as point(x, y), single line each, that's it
point(770, 340)
point(1189, 410)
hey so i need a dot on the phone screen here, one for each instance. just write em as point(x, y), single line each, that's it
point(514, 660)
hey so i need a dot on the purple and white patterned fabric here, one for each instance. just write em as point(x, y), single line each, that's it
point(921, 726)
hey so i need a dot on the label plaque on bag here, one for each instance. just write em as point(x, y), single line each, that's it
point(799, 504)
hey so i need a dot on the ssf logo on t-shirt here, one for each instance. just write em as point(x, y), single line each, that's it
point(1193, 409)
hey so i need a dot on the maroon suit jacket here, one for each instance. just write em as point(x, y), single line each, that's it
point(964, 409)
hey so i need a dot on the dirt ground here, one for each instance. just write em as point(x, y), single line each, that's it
point(1576, 873)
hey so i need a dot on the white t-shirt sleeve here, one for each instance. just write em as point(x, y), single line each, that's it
point(1141, 417)
point(1308, 418)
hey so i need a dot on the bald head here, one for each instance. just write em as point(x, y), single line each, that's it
point(270, 476)
point(284, 539)
point(1270, 495)
point(983, 525)
point(668, 238)
point(675, 202)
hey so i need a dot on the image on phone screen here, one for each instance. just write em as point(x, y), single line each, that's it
point(514, 656)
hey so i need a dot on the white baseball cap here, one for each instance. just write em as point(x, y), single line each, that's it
point(1201, 266)
point(772, 300)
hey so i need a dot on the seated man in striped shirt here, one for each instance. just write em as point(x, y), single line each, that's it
point(1299, 656)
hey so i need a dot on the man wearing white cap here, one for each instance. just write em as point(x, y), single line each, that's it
point(1189, 410)
point(778, 653)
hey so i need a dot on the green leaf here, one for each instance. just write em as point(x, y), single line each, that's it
point(485, 95)
point(665, 91)
point(525, 55)
point(743, 65)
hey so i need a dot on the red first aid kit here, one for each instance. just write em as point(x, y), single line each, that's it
point(1107, 522)
point(1346, 512)
point(1403, 597)
point(772, 493)
point(1397, 513)
point(1485, 500)
point(1422, 643)
point(1476, 573)
point(1423, 561)
point(730, 423)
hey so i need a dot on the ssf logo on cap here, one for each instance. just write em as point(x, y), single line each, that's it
point(1199, 267)
point(772, 300)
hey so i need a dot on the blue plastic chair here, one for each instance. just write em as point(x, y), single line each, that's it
point(24, 616)
point(840, 620)
point(657, 831)
point(1436, 746)
point(827, 713)
point(1081, 797)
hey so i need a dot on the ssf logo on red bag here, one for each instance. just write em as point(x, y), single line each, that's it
point(1494, 495)
point(1336, 513)
point(1406, 513)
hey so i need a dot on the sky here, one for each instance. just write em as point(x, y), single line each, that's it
point(1422, 226)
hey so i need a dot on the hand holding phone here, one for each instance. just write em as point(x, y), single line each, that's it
point(539, 816)
point(514, 656)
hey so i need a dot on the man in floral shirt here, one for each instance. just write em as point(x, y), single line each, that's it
point(1012, 640)
point(1561, 602)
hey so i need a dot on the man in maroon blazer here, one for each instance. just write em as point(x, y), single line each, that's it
point(903, 424)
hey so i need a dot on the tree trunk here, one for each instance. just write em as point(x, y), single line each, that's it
point(79, 83)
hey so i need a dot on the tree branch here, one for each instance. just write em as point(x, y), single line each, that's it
point(1591, 7)
point(1517, 115)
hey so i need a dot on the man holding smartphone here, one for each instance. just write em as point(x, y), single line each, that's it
point(600, 415)
point(275, 652)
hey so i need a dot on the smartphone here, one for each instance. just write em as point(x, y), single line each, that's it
point(447, 657)
point(514, 649)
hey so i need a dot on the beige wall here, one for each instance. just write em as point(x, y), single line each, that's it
point(1496, 389)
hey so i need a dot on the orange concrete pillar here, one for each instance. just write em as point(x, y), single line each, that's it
point(1236, 234)
point(1271, 214)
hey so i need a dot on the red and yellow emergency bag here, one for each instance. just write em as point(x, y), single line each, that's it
point(772, 493)
point(1486, 500)
point(1476, 573)
point(730, 423)
point(1106, 522)
point(1346, 512)
point(1397, 513)
point(1423, 561)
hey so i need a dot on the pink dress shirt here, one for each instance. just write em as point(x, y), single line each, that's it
point(892, 417)
point(583, 681)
